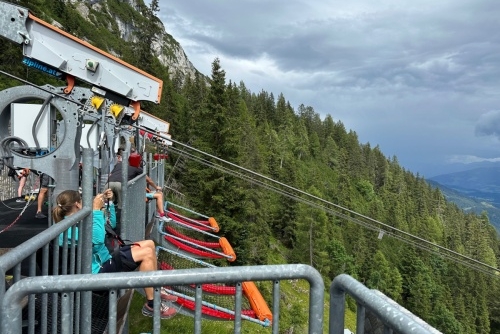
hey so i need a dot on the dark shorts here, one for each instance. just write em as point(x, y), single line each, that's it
point(44, 181)
point(121, 260)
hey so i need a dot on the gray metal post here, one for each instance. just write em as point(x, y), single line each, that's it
point(124, 219)
point(197, 309)
point(237, 308)
point(276, 306)
point(112, 311)
point(360, 319)
point(85, 241)
point(65, 316)
point(107, 281)
point(389, 315)
point(66, 177)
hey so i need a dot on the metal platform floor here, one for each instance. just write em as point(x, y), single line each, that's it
point(14, 233)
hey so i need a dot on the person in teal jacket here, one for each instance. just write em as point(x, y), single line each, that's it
point(140, 255)
point(109, 211)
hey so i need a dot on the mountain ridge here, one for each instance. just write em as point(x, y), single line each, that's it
point(167, 50)
point(325, 159)
point(474, 190)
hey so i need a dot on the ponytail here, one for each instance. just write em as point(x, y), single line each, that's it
point(64, 204)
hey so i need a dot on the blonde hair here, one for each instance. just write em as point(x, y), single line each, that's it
point(64, 204)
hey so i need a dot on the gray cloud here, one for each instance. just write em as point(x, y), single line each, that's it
point(488, 124)
point(414, 77)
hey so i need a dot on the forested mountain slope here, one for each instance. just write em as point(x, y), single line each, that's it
point(295, 146)
point(472, 200)
point(482, 183)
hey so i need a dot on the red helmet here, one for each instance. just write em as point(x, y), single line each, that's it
point(134, 160)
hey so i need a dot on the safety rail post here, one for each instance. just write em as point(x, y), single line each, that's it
point(276, 305)
point(113, 301)
point(15, 256)
point(197, 310)
point(85, 241)
point(156, 170)
point(11, 304)
point(237, 308)
point(148, 167)
point(152, 172)
point(360, 317)
point(124, 180)
point(133, 208)
point(161, 173)
point(31, 300)
point(133, 226)
point(8, 188)
point(390, 316)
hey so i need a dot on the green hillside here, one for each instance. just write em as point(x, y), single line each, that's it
point(482, 184)
point(471, 201)
point(296, 146)
point(483, 180)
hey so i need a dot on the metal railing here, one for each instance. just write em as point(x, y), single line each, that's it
point(44, 255)
point(71, 298)
point(8, 187)
point(392, 318)
point(10, 311)
point(73, 260)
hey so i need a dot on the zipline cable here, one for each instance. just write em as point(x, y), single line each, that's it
point(387, 229)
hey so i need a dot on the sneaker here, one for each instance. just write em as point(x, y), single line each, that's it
point(164, 219)
point(40, 215)
point(165, 311)
point(161, 217)
point(167, 297)
point(20, 200)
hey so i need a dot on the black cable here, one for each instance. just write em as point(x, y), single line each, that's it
point(396, 233)
point(346, 214)
point(37, 118)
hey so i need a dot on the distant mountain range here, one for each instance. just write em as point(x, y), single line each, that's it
point(474, 190)
point(440, 169)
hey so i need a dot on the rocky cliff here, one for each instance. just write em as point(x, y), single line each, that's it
point(166, 48)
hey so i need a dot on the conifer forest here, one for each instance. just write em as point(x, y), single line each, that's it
point(341, 182)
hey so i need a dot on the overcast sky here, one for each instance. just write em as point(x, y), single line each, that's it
point(421, 79)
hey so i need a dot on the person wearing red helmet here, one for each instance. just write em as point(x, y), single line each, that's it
point(134, 169)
